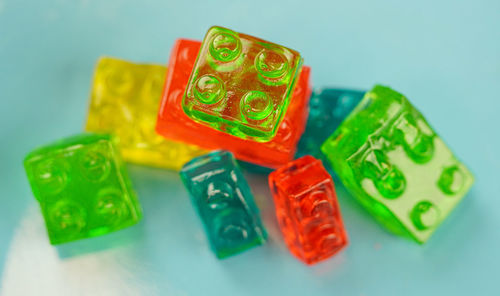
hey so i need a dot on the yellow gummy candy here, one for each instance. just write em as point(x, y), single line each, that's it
point(124, 101)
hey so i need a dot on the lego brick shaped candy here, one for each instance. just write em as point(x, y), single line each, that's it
point(327, 109)
point(307, 210)
point(83, 187)
point(124, 101)
point(241, 84)
point(394, 163)
point(174, 124)
point(224, 203)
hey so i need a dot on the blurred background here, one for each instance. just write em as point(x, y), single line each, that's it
point(443, 55)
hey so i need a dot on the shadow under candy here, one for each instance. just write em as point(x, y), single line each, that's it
point(149, 185)
point(118, 239)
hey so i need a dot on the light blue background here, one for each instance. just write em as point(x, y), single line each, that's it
point(444, 55)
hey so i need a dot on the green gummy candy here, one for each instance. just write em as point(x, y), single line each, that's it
point(394, 163)
point(82, 186)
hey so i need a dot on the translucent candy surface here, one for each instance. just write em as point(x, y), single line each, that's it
point(241, 84)
point(224, 203)
point(327, 109)
point(82, 187)
point(393, 162)
point(174, 124)
point(307, 210)
point(124, 101)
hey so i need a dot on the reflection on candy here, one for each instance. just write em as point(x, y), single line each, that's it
point(234, 67)
point(124, 101)
point(83, 187)
point(253, 106)
point(224, 202)
point(393, 162)
point(307, 210)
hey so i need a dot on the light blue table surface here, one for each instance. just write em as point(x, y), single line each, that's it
point(444, 55)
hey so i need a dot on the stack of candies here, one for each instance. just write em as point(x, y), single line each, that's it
point(234, 96)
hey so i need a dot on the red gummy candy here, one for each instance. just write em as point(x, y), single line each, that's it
point(174, 124)
point(307, 209)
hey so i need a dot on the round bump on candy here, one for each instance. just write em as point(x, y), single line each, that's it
point(218, 195)
point(236, 231)
point(323, 232)
point(316, 107)
point(175, 95)
point(231, 225)
point(388, 179)
point(452, 180)
point(422, 150)
point(392, 184)
point(209, 89)
point(110, 116)
point(109, 205)
point(225, 47)
point(119, 81)
point(51, 175)
point(95, 165)
point(329, 242)
point(316, 204)
point(322, 207)
point(417, 140)
point(271, 64)
point(345, 103)
point(185, 54)
point(424, 215)
point(67, 216)
point(256, 105)
point(285, 131)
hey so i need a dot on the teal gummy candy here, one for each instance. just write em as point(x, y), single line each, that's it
point(395, 164)
point(224, 203)
point(82, 186)
point(327, 109)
